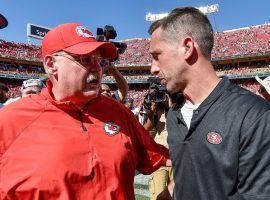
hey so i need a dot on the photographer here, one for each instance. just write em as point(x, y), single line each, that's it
point(158, 103)
point(120, 95)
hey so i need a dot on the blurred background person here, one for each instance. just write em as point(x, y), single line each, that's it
point(30, 86)
point(3, 93)
point(161, 181)
point(129, 103)
point(122, 87)
point(264, 89)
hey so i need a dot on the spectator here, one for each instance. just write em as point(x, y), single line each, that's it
point(121, 94)
point(218, 133)
point(70, 142)
point(31, 86)
point(264, 87)
point(129, 103)
point(3, 93)
point(156, 125)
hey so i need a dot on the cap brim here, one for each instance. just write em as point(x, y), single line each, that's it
point(107, 49)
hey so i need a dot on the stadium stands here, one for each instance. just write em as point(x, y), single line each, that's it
point(239, 54)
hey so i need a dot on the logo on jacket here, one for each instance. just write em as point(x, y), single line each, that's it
point(214, 138)
point(84, 32)
point(111, 129)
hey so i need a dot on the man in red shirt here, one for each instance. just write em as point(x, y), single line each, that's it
point(70, 142)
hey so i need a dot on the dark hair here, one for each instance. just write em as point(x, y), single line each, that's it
point(155, 25)
point(187, 21)
point(3, 87)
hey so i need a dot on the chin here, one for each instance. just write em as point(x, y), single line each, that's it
point(172, 90)
point(90, 94)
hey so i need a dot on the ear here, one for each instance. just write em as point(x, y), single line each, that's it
point(189, 47)
point(49, 65)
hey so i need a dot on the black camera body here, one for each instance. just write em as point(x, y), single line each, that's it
point(110, 33)
point(156, 93)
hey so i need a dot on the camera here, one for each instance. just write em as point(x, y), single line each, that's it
point(156, 93)
point(110, 33)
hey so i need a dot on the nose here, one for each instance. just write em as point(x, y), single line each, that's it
point(95, 67)
point(154, 68)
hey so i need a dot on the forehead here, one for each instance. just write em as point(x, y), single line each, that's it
point(157, 42)
point(103, 86)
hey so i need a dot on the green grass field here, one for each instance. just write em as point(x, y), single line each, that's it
point(142, 187)
point(139, 186)
point(141, 197)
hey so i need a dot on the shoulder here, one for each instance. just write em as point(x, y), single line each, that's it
point(20, 110)
point(14, 118)
point(247, 100)
point(250, 108)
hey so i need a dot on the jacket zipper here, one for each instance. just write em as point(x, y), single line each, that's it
point(82, 124)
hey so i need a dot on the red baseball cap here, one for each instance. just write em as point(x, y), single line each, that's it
point(75, 38)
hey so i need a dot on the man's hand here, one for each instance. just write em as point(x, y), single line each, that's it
point(154, 106)
point(168, 163)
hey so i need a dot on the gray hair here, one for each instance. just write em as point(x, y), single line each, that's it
point(183, 22)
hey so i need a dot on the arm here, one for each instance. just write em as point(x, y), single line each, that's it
point(151, 155)
point(149, 124)
point(120, 82)
point(254, 160)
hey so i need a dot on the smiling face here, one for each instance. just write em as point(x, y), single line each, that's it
point(167, 62)
point(75, 78)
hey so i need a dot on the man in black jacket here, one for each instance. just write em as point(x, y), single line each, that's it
point(218, 133)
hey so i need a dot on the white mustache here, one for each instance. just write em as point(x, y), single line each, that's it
point(92, 77)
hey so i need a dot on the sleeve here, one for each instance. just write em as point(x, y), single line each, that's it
point(151, 155)
point(254, 160)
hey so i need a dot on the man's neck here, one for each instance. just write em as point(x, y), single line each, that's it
point(199, 89)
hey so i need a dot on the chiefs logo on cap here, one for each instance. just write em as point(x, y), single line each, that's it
point(111, 129)
point(84, 32)
point(214, 138)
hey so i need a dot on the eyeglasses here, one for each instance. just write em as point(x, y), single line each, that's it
point(32, 92)
point(102, 90)
point(87, 59)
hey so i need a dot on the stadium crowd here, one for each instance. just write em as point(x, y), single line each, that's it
point(233, 43)
point(20, 51)
point(18, 69)
point(238, 42)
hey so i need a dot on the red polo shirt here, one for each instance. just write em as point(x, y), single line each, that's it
point(51, 150)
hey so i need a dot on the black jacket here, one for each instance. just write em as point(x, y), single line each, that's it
point(226, 152)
